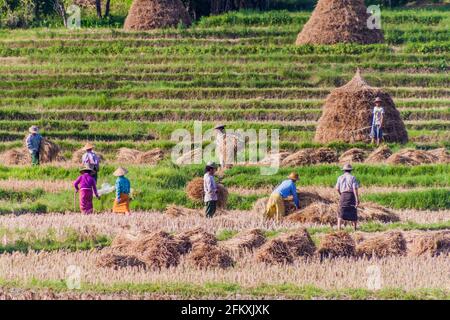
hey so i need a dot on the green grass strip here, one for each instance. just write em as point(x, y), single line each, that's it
point(217, 289)
point(434, 199)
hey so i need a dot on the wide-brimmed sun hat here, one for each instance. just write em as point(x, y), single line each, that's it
point(219, 126)
point(88, 146)
point(33, 129)
point(378, 99)
point(211, 164)
point(120, 172)
point(347, 167)
point(86, 168)
point(293, 176)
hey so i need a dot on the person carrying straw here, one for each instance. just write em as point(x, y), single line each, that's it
point(347, 187)
point(33, 142)
point(275, 206)
point(123, 189)
point(210, 189)
point(85, 185)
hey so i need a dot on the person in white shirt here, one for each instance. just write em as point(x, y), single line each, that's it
point(347, 186)
point(210, 189)
point(91, 159)
point(228, 145)
point(377, 122)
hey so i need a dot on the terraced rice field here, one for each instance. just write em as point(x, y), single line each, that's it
point(133, 90)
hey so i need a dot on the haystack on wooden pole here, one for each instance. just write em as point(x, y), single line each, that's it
point(154, 14)
point(347, 115)
point(339, 21)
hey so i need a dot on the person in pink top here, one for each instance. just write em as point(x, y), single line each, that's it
point(85, 185)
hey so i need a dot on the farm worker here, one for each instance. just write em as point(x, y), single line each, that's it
point(33, 141)
point(227, 146)
point(275, 206)
point(347, 187)
point(123, 189)
point(376, 132)
point(91, 159)
point(85, 185)
point(210, 189)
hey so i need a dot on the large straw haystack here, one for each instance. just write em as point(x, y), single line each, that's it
point(154, 14)
point(339, 21)
point(347, 114)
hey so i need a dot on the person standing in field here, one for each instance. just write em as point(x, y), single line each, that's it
point(210, 189)
point(123, 189)
point(227, 146)
point(275, 206)
point(91, 159)
point(86, 187)
point(33, 143)
point(347, 187)
point(376, 132)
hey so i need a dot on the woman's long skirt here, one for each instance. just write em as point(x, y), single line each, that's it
point(347, 207)
point(123, 206)
point(86, 196)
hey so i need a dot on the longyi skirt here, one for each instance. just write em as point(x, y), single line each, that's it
point(347, 207)
point(123, 206)
point(86, 196)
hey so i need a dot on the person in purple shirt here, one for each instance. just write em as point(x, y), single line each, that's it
point(85, 185)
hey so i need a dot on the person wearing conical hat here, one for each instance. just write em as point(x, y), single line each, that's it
point(85, 186)
point(91, 159)
point(275, 208)
point(347, 186)
point(33, 142)
point(210, 189)
point(376, 133)
point(123, 189)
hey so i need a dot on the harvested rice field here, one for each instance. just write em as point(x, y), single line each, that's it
point(128, 91)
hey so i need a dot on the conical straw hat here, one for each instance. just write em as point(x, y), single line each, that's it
point(120, 172)
point(33, 129)
point(88, 146)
